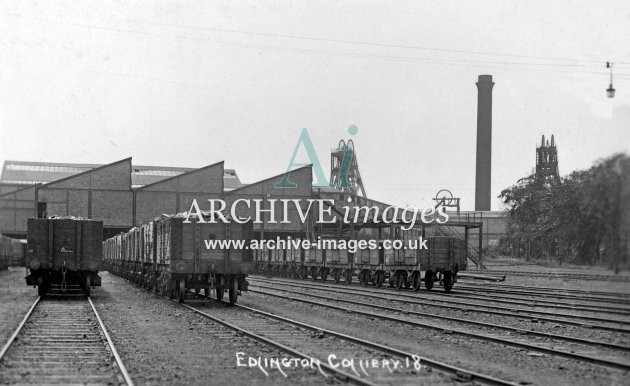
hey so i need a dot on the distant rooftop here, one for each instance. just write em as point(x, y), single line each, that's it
point(19, 174)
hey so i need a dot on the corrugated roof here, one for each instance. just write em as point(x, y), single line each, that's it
point(31, 173)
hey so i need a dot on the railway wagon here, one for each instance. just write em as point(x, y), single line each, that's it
point(325, 259)
point(64, 252)
point(6, 251)
point(443, 258)
point(173, 257)
point(18, 258)
point(398, 260)
point(283, 261)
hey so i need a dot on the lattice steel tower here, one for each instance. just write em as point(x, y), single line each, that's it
point(344, 169)
point(547, 160)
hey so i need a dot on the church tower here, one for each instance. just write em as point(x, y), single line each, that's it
point(547, 160)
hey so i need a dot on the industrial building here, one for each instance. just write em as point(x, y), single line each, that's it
point(124, 195)
point(120, 194)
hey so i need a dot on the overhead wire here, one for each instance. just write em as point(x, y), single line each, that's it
point(356, 42)
point(530, 66)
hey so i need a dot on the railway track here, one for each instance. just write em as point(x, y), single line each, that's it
point(565, 275)
point(570, 301)
point(514, 330)
point(548, 290)
point(61, 342)
point(316, 343)
point(448, 303)
point(537, 302)
point(511, 303)
point(284, 334)
point(584, 299)
point(584, 351)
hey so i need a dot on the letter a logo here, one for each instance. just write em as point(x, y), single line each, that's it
point(305, 140)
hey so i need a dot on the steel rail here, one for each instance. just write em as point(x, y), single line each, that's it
point(488, 379)
point(490, 309)
point(436, 364)
point(602, 362)
point(468, 321)
point(119, 362)
point(340, 374)
point(566, 275)
point(547, 295)
point(110, 343)
point(11, 339)
point(505, 298)
point(448, 298)
point(476, 296)
point(617, 295)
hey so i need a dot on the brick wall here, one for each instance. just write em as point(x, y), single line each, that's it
point(15, 208)
point(176, 194)
point(266, 190)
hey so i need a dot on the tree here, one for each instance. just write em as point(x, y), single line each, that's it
point(575, 218)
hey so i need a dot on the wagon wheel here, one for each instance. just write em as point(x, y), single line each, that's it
point(447, 281)
point(365, 277)
point(304, 273)
point(234, 290)
point(162, 284)
point(181, 290)
point(88, 283)
point(156, 282)
point(41, 287)
point(173, 285)
point(348, 276)
point(407, 281)
point(399, 278)
point(219, 291)
point(336, 275)
point(159, 288)
point(428, 280)
point(379, 278)
point(415, 281)
point(324, 273)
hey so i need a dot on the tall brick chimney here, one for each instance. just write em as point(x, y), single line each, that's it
point(484, 143)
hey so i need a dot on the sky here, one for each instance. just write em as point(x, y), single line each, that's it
point(191, 83)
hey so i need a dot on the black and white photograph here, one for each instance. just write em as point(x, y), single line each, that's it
point(314, 193)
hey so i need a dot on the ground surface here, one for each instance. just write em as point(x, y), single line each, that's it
point(15, 300)
point(162, 343)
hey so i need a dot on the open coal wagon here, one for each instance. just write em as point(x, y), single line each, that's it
point(64, 254)
point(180, 259)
